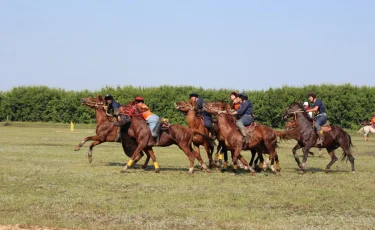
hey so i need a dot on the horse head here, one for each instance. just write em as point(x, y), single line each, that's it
point(216, 107)
point(93, 102)
point(293, 109)
point(184, 107)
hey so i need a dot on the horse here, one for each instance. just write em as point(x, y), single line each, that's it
point(105, 130)
point(290, 125)
point(366, 130)
point(195, 123)
point(261, 138)
point(170, 134)
point(336, 137)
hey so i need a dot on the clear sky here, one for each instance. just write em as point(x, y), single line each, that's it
point(239, 44)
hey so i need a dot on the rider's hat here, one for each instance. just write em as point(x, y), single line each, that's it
point(140, 99)
point(243, 96)
point(108, 97)
point(193, 95)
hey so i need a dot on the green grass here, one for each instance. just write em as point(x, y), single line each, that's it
point(44, 182)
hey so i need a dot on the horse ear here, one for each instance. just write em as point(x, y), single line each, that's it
point(100, 97)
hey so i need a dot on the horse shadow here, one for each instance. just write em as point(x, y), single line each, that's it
point(151, 168)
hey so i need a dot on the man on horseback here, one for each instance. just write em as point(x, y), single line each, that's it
point(234, 104)
point(372, 122)
point(245, 114)
point(151, 119)
point(207, 118)
point(321, 117)
point(111, 106)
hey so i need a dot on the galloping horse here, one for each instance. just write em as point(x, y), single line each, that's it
point(293, 131)
point(366, 130)
point(333, 139)
point(197, 126)
point(105, 130)
point(262, 138)
point(172, 134)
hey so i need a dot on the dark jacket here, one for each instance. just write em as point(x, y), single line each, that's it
point(113, 107)
point(246, 108)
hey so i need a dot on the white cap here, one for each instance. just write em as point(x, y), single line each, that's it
point(305, 103)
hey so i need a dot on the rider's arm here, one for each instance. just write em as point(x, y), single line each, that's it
point(316, 108)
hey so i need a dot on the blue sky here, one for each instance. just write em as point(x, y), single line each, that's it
point(251, 45)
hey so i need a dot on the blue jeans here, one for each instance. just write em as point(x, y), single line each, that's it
point(152, 121)
point(207, 120)
point(244, 121)
point(321, 119)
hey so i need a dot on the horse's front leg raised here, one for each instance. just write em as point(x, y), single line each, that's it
point(90, 138)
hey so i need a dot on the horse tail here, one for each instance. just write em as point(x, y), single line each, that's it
point(205, 137)
point(284, 135)
point(344, 154)
point(361, 130)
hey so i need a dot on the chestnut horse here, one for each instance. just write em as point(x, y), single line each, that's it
point(105, 130)
point(336, 137)
point(262, 138)
point(195, 123)
point(171, 134)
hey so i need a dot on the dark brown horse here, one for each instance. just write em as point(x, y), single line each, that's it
point(196, 124)
point(105, 130)
point(261, 138)
point(293, 131)
point(171, 134)
point(333, 139)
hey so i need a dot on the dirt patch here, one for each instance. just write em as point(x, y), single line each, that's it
point(28, 227)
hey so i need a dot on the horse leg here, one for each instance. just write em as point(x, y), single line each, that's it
point(247, 166)
point(208, 149)
point(196, 148)
point(78, 147)
point(305, 150)
point(191, 154)
point(89, 154)
point(152, 154)
point(294, 151)
point(345, 145)
point(132, 158)
point(331, 152)
point(253, 153)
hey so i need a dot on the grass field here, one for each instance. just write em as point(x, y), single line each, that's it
point(45, 183)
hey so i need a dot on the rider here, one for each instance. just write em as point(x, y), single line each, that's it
point(372, 122)
point(151, 119)
point(245, 113)
point(111, 106)
point(234, 104)
point(306, 105)
point(321, 118)
point(207, 118)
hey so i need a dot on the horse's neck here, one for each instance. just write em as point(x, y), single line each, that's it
point(101, 117)
point(225, 125)
point(302, 121)
point(192, 119)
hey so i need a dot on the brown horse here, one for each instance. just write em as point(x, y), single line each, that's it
point(195, 123)
point(307, 137)
point(171, 134)
point(262, 138)
point(293, 131)
point(105, 130)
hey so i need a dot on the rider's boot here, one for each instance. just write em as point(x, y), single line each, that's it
point(118, 135)
point(244, 137)
point(212, 130)
point(320, 138)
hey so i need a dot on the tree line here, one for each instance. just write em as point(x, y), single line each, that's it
point(346, 105)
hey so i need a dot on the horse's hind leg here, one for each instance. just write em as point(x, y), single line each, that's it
point(209, 150)
point(294, 151)
point(331, 152)
point(89, 154)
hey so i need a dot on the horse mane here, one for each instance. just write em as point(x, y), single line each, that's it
point(300, 106)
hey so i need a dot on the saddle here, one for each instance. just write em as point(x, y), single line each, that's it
point(326, 127)
point(250, 128)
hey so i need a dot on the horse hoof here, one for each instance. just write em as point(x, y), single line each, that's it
point(157, 170)
point(76, 149)
point(123, 171)
point(90, 159)
point(278, 173)
point(252, 174)
point(353, 172)
point(327, 170)
point(301, 172)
